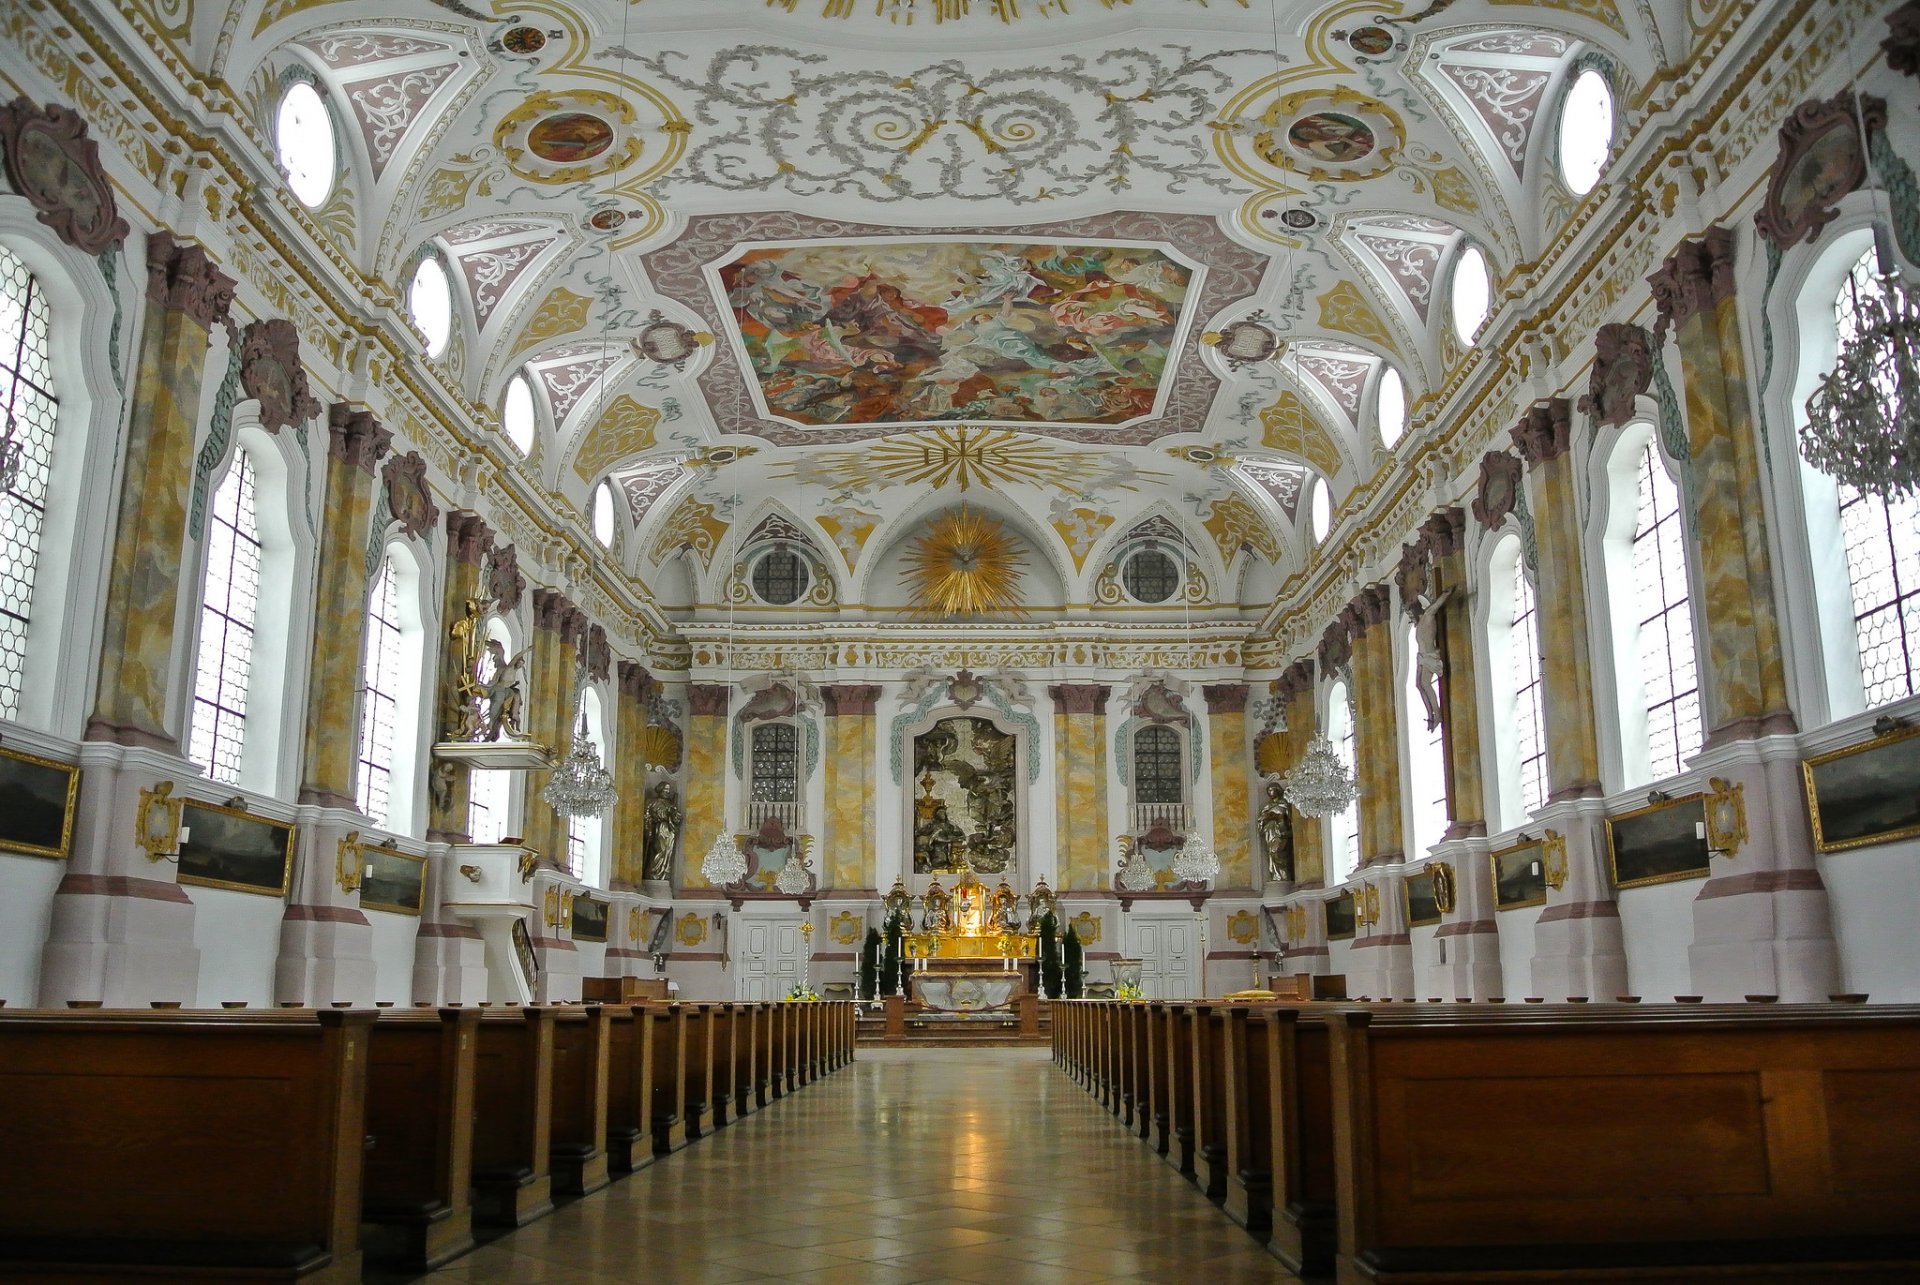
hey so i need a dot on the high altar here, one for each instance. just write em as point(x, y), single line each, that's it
point(971, 952)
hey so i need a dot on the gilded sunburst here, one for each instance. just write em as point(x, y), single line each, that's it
point(965, 564)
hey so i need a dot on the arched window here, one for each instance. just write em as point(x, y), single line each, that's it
point(1156, 765)
point(430, 303)
point(380, 676)
point(1343, 839)
point(586, 833)
point(1320, 510)
point(1669, 679)
point(1426, 762)
point(229, 606)
point(1513, 657)
point(516, 413)
point(1390, 406)
point(1586, 131)
point(488, 796)
point(1883, 548)
point(30, 413)
point(776, 763)
point(305, 144)
point(603, 514)
point(1472, 294)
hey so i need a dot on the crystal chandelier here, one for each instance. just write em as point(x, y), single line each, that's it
point(1863, 422)
point(1196, 862)
point(1135, 874)
point(1319, 785)
point(792, 878)
point(580, 786)
point(723, 865)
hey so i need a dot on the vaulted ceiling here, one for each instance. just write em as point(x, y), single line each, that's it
point(842, 264)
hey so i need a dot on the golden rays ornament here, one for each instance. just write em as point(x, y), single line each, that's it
point(965, 565)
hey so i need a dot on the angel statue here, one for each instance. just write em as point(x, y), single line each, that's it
point(1430, 665)
point(500, 693)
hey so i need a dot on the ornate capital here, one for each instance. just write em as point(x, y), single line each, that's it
point(469, 538)
point(1296, 680)
point(852, 700)
point(181, 278)
point(1545, 432)
point(550, 608)
point(1336, 645)
point(409, 498)
point(1079, 698)
point(634, 680)
point(51, 161)
point(1446, 532)
point(573, 628)
point(1372, 605)
point(1225, 698)
point(599, 654)
point(1694, 278)
point(1499, 492)
point(355, 437)
point(271, 374)
point(1902, 44)
point(1622, 371)
point(708, 700)
point(1410, 576)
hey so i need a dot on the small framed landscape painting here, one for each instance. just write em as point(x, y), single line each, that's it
point(392, 880)
point(590, 918)
point(36, 804)
point(1423, 906)
point(1867, 793)
point(1519, 875)
point(1340, 917)
point(1659, 843)
point(225, 847)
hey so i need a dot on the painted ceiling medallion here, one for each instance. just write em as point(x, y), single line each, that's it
point(570, 136)
point(1330, 135)
point(668, 342)
point(1246, 342)
point(965, 564)
point(910, 332)
point(1370, 41)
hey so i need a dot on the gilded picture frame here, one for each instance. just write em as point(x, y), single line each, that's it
point(392, 881)
point(590, 917)
point(235, 849)
point(1865, 794)
point(1519, 875)
point(1421, 901)
point(1343, 920)
point(37, 797)
point(1663, 842)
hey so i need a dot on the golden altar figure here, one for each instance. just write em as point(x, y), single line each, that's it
point(975, 925)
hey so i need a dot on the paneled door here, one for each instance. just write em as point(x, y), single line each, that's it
point(767, 963)
point(1165, 949)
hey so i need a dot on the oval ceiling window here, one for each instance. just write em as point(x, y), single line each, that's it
point(308, 151)
point(430, 304)
point(1586, 131)
point(1472, 293)
point(1320, 510)
point(516, 413)
point(1390, 406)
point(603, 514)
point(780, 577)
point(1150, 576)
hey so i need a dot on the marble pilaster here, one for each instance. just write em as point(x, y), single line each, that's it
point(1376, 727)
point(706, 798)
point(1232, 810)
point(1294, 690)
point(1080, 775)
point(626, 839)
point(851, 839)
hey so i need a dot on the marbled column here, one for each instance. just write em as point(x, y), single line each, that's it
point(469, 539)
point(1762, 923)
point(187, 295)
point(1232, 816)
point(1573, 753)
point(1080, 786)
point(627, 840)
point(706, 805)
point(851, 839)
point(1294, 690)
point(355, 443)
point(548, 715)
point(1376, 740)
point(1459, 695)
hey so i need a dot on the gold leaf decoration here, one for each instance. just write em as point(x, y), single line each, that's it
point(961, 456)
point(1270, 754)
point(965, 564)
point(1292, 427)
point(1345, 308)
point(624, 430)
point(1234, 524)
point(660, 746)
point(694, 525)
point(1242, 927)
point(560, 313)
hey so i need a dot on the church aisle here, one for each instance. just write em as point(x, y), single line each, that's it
point(910, 1165)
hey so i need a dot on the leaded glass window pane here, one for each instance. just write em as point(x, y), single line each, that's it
point(379, 714)
point(779, 577)
point(28, 412)
point(1156, 766)
point(1669, 676)
point(228, 605)
point(1529, 723)
point(776, 763)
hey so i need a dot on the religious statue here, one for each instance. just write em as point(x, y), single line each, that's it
point(937, 836)
point(1041, 902)
point(1005, 912)
point(1276, 833)
point(500, 693)
point(938, 915)
point(1430, 665)
point(970, 903)
point(486, 685)
point(662, 820)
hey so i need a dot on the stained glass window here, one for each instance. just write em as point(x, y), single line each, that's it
point(28, 412)
point(229, 602)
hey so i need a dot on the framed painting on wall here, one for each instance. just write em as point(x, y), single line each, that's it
point(1422, 903)
point(1340, 917)
point(1867, 793)
point(1659, 843)
point(36, 804)
point(392, 880)
point(223, 847)
point(1519, 875)
point(590, 917)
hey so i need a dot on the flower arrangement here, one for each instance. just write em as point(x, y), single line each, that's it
point(802, 990)
point(1128, 990)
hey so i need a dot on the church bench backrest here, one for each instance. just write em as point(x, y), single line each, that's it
point(513, 1092)
point(580, 1079)
point(419, 1127)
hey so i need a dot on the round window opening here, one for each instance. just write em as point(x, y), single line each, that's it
point(1150, 576)
point(780, 577)
point(305, 143)
point(1586, 131)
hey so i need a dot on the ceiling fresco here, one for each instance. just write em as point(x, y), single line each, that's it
point(914, 332)
point(859, 258)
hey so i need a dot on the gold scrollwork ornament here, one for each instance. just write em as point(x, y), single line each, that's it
point(156, 827)
point(1553, 859)
point(1443, 886)
point(1367, 905)
point(1726, 816)
point(348, 865)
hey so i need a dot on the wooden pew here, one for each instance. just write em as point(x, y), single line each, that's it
point(746, 1024)
point(419, 1136)
point(1247, 1093)
point(189, 1146)
point(1575, 1142)
point(696, 1060)
point(669, 1075)
point(1141, 1058)
point(630, 1066)
point(1179, 1052)
point(1159, 1066)
point(513, 1116)
point(1208, 1049)
point(720, 1066)
point(581, 1043)
point(763, 1018)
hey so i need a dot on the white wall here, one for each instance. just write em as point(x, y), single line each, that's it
point(238, 935)
point(1874, 894)
point(1516, 950)
point(393, 942)
point(26, 908)
point(1427, 978)
point(1656, 924)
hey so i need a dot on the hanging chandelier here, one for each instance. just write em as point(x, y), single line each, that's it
point(723, 866)
point(580, 786)
point(1319, 785)
point(1135, 874)
point(1863, 422)
point(1196, 862)
point(792, 878)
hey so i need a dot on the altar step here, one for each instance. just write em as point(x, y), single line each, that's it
point(932, 1031)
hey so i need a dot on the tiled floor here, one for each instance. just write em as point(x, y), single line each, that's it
point(909, 1165)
